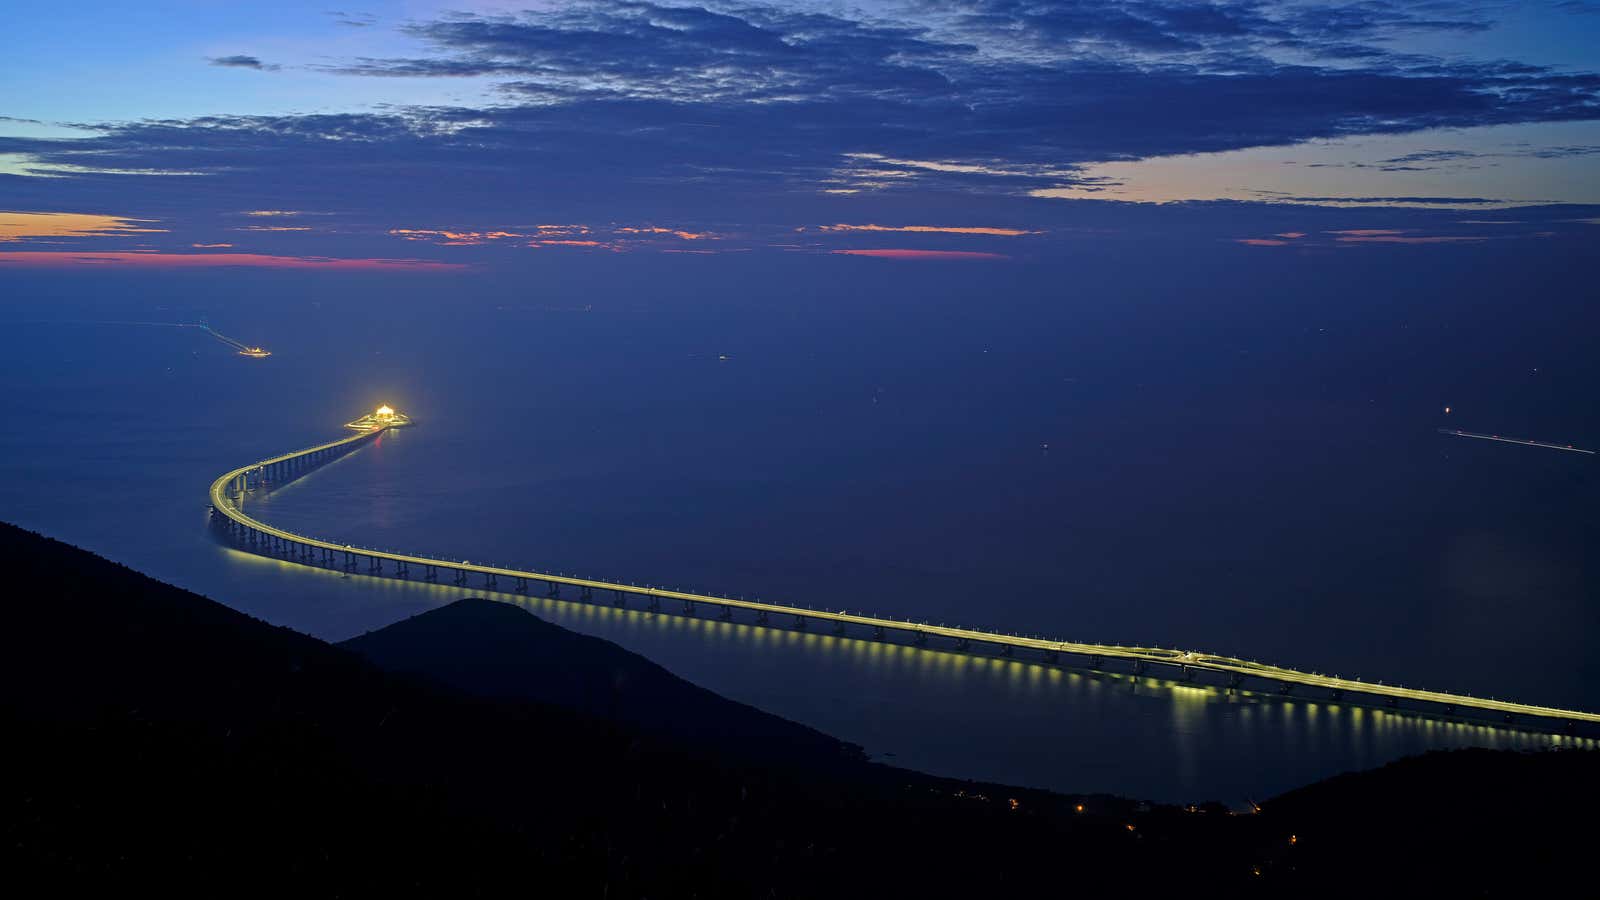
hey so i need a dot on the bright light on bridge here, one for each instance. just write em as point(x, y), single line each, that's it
point(383, 417)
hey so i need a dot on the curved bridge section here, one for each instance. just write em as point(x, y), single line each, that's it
point(229, 490)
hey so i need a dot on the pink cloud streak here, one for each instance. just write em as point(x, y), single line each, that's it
point(154, 260)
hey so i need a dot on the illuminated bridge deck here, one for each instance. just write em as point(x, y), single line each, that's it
point(250, 534)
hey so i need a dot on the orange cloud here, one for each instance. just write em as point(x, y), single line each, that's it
point(931, 229)
point(272, 212)
point(685, 235)
point(922, 254)
point(569, 243)
point(16, 226)
point(1291, 235)
point(453, 238)
point(155, 260)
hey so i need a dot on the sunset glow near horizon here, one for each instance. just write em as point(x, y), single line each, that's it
point(415, 137)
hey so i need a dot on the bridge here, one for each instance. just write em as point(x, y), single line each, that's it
point(227, 512)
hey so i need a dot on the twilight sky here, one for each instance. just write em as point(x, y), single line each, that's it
point(426, 135)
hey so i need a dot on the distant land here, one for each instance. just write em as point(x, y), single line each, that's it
point(161, 741)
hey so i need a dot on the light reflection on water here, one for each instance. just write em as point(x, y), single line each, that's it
point(991, 717)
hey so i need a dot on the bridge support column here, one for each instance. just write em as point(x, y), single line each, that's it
point(688, 607)
point(1006, 650)
point(401, 570)
point(761, 617)
point(1095, 661)
point(1234, 680)
point(1335, 694)
point(621, 599)
point(799, 623)
point(962, 643)
point(725, 614)
point(522, 585)
point(878, 633)
point(461, 577)
point(375, 565)
point(1140, 667)
point(584, 593)
point(553, 589)
point(1052, 657)
point(838, 628)
point(1449, 709)
point(1392, 702)
point(1284, 688)
point(489, 580)
point(655, 603)
point(430, 574)
point(920, 639)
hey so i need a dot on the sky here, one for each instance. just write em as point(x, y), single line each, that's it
point(453, 137)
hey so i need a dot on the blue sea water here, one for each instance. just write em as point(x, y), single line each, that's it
point(1103, 457)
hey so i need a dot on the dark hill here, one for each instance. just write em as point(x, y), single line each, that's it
point(156, 741)
point(497, 650)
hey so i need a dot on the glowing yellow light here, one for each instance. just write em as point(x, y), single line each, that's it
point(385, 412)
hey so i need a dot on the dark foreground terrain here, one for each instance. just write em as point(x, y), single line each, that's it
point(158, 741)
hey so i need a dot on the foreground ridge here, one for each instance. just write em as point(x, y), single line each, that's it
point(229, 491)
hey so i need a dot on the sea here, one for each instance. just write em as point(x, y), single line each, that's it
point(1254, 469)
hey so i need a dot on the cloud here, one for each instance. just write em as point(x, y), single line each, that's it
point(20, 226)
point(158, 260)
point(923, 254)
point(241, 61)
point(931, 229)
point(210, 246)
point(746, 121)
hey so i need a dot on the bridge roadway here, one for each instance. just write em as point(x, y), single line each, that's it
point(266, 540)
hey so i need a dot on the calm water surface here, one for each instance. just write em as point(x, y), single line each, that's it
point(1130, 472)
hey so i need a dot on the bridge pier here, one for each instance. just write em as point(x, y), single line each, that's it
point(1187, 673)
point(761, 617)
point(553, 589)
point(838, 628)
point(878, 633)
point(401, 570)
point(799, 623)
point(1392, 702)
point(920, 639)
point(688, 607)
point(1335, 694)
point(725, 614)
point(489, 580)
point(962, 643)
point(461, 577)
point(375, 565)
point(655, 603)
point(1235, 680)
point(522, 585)
point(430, 574)
point(584, 593)
point(1006, 650)
point(1095, 661)
point(621, 599)
point(1051, 656)
point(1284, 688)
